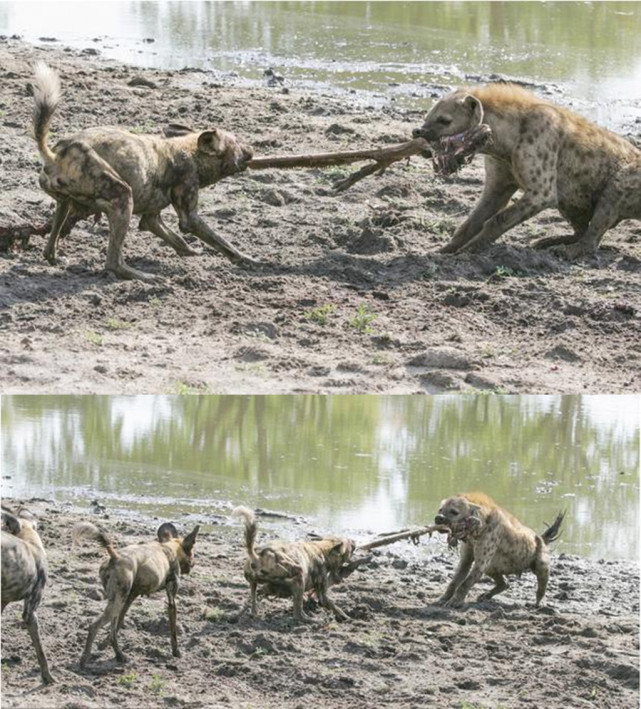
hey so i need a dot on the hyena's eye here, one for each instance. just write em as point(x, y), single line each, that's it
point(453, 513)
point(442, 120)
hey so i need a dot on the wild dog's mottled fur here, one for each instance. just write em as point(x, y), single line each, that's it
point(120, 173)
point(559, 159)
point(138, 570)
point(498, 544)
point(291, 568)
point(24, 574)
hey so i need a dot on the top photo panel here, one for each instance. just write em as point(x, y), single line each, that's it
point(288, 197)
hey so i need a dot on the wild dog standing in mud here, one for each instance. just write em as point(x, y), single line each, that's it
point(138, 570)
point(24, 574)
point(558, 158)
point(291, 568)
point(496, 543)
point(113, 171)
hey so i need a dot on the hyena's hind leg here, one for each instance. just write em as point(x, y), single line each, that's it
point(500, 585)
point(541, 568)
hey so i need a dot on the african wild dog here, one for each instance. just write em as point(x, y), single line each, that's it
point(138, 570)
point(24, 574)
point(120, 173)
point(291, 568)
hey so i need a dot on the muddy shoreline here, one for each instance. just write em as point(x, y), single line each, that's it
point(354, 297)
point(579, 650)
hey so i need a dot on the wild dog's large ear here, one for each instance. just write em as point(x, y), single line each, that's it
point(209, 141)
point(343, 547)
point(190, 540)
point(176, 129)
point(166, 531)
point(10, 522)
point(475, 107)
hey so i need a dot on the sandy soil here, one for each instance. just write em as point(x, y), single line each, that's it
point(354, 298)
point(579, 650)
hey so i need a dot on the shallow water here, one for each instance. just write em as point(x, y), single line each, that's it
point(357, 464)
point(383, 51)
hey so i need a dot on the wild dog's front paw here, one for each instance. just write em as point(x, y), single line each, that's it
point(454, 602)
point(176, 653)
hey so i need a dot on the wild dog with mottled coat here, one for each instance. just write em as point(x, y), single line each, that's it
point(121, 173)
point(494, 543)
point(24, 574)
point(556, 157)
point(138, 570)
point(292, 568)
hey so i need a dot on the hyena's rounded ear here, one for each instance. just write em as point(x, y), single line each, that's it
point(190, 539)
point(209, 141)
point(475, 107)
point(166, 531)
point(475, 511)
point(10, 522)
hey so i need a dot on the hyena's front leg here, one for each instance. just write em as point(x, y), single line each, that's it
point(499, 187)
point(467, 557)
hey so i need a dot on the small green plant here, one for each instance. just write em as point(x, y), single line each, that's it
point(182, 389)
point(321, 314)
point(213, 615)
point(94, 337)
point(504, 272)
point(155, 302)
point(115, 324)
point(363, 319)
point(128, 680)
point(144, 128)
point(157, 684)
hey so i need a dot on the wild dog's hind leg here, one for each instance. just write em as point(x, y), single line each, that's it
point(499, 187)
point(155, 224)
point(172, 588)
point(31, 621)
point(63, 207)
point(109, 615)
point(467, 557)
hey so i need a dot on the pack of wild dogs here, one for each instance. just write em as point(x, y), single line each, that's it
point(553, 156)
point(492, 542)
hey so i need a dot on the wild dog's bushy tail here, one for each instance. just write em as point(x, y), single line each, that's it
point(250, 529)
point(87, 530)
point(553, 532)
point(46, 92)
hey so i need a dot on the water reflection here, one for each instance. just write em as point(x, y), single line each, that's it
point(395, 49)
point(349, 462)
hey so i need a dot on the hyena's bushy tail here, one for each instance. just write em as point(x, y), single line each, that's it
point(250, 529)
point(553, 532)
point(46, 92)
point(86, 530)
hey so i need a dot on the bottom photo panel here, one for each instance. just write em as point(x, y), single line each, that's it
point(477, 552)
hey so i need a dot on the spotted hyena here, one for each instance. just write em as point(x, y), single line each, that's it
point(556, 157)
point(495, 544)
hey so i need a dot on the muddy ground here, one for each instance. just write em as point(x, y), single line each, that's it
point(579, 650)
point(355, 297)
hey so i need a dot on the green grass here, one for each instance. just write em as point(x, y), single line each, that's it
point(94, 337)
point(182, 389)
point(320, 315)
point(363, 320)
point(128, 680)
point(157, 684)
point(115, 324)
point(213, 615)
